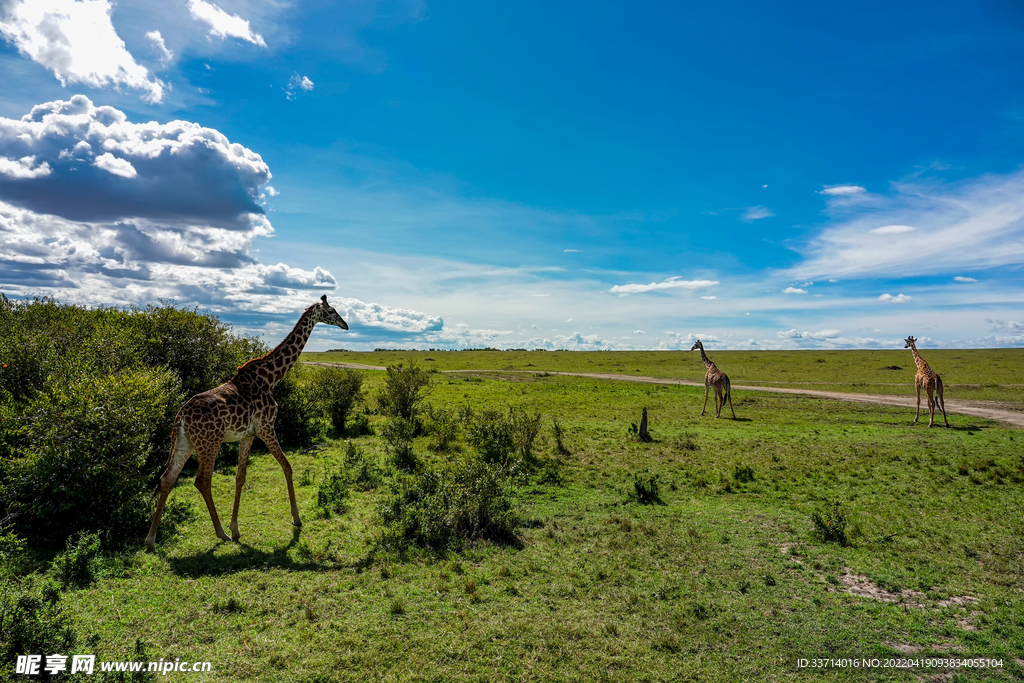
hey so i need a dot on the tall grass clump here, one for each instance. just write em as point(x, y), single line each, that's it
point(445, 508)
point(524, 428)
point(646, 492)
point(443, 425)
point(397, 434)
point(490, 432)
point(830, 524)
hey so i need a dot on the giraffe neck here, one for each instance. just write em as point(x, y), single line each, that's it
point(704, 357)
point(920, 362)
point(278, 362)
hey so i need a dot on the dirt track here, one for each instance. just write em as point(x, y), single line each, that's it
point(974, 408)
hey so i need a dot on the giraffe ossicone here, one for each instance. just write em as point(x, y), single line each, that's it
point(717, 379)
point(241, 409)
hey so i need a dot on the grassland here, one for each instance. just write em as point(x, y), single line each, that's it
point(976, 374)
point(724, 581)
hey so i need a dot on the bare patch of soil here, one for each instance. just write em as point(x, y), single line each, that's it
point(855, 584)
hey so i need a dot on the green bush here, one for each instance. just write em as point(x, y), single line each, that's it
point(332, 493)
point(336, 392)
point(73, 567)
point(524, 429)
point(297, 423)
point(93, 447)
point(397, 433)
point(490, 433)
point(446, 508)
point(32, 621)
point(743, 474)
point(443, 425)
point(403, 390)
point(364, 473)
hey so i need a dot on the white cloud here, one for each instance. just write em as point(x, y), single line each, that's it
point(161, 47)
point(976, 224)
point(111, 164)
point(639, 332)
point(24, 168)
point(754, 213)
point(960, 278)
point(670, 283)
point(77, 42)
point(839, 190)
point(900, 299)
point(297, 82)
point(222, 24)
point(794, 290)
point(892, 229)
point(571, 251)
point(709, 298)
point(271, 191)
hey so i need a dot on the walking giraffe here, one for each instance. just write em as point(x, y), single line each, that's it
point(717, 379)
point(932, 383)
point(238, 410)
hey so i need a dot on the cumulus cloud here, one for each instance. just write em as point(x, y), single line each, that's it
point(841, 190)
point(298, 82)
point(222, 24)
point(670, 283)
point(754, 213)
point(161, 47)
point(961, 278)
point(794, 290)
point(23, 168)
point(899, 299)
point(104, 167)
point(972, 224)
point(76, 40)
point(97, 209)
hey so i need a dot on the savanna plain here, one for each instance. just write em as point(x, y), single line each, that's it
point(719, 550)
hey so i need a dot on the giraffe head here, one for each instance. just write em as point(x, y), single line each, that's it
point(323, 312)
point(909, 342)
point(697, 345)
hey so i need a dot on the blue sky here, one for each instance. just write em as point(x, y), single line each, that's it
point(552, 175)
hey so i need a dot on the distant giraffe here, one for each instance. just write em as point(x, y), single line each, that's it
point(238, 410)
point(932, 383)
point(717, 379)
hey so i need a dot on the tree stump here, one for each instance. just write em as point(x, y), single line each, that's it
point(643, 435)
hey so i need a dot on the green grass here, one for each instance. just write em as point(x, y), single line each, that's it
point(975, 374)
point(725, 581)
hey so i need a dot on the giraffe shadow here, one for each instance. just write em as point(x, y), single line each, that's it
point(207, 563)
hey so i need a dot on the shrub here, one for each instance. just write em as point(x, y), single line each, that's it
point(446, 508)
point(332, 493)
point(443, 425)
point(73, 567)
point(490, 433)
point(397, 434)
point(32, 620)
point(524, 429)
point(646, 492)
point(830, 524)
point(403, 390)
point(336, 392)
point(297, 411)
point(364, 473)
point(91, 456)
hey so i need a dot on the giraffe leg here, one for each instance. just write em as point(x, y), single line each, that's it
point(942, 402)
point(705, 400)
point(918, 403)
point(181, 449)
point(270, 438)
point(719, 401)
point(206, 454)
point(728, 393)
point(931, 405)
point(243, 463)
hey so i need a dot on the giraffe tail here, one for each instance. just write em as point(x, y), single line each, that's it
point(178, 435)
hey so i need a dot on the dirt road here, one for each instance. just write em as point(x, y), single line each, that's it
point(975, 408)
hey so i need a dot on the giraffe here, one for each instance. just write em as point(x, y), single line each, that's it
point(717, 379)
point(238, 410)
point(932, 383)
